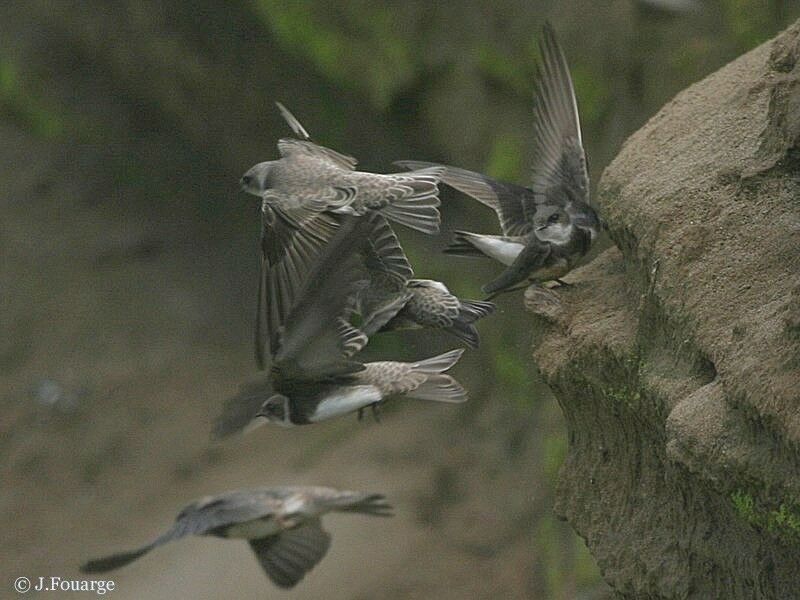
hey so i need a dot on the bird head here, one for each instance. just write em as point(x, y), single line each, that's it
point(552, 224)
point(256, 180)
point(276, 410)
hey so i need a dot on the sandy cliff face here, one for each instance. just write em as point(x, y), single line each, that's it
point(676, 356)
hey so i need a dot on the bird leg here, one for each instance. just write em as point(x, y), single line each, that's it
point(360, 414)
point(376, 412)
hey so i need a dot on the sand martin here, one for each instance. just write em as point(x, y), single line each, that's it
point(281, 524)
point(425, 303)
point(312, 375)
point(389, 285)
point(312, 177)
point(549, 227)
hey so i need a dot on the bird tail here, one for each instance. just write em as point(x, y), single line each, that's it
point(463, 328)
point(366, 504)
point(438, 364)
point(437, 386)
point(472, 310)
point(414, 200)
point(462, 246)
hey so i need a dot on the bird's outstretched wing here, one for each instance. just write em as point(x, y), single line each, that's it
point(293, 123)
point(559, 162)
point(513, 203)
point(383, 254)
point(310, 342)
point(303, 143)
point(290, 242)
point(289, 146)
point(287, 557)
point(202, 516)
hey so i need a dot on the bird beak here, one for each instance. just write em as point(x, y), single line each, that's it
point(540, 227)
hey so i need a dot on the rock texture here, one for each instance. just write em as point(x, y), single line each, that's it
point(676, 355)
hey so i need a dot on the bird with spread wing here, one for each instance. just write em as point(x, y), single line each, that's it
point(317, 179)
point(282, 525)
point(548, 228)
point(388, 298)
point(310, 347)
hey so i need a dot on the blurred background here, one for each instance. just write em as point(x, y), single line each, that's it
point(128, 268)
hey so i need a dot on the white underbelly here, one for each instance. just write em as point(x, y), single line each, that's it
point(344, 400)
point(501, 250)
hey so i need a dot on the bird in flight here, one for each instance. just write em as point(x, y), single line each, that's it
point(282, 525)
point(314, 178)
point(312, 375)
point(388, 297)
point(547, 228)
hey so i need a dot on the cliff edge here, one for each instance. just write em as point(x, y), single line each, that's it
point(675, 356)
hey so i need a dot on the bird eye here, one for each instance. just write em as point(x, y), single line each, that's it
point(273, 409)
point(247, 179)
point(553, 218)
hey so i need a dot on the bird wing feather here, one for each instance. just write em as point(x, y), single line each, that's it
point(559, 169)
point(287, 557)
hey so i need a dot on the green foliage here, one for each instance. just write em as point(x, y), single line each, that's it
point(503, 69)
point(548, 547)
point(587, 573)
point(24, 108)
point(364, 51)
point(622, 395)
point(554, 449)
point(783, 522)
point(749, 21)
point(592, 92)
point(512, 370)
point(505, 158)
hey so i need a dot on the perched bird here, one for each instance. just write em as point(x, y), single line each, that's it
point(549, 227)
point(315, 178)
point(281, 524)
point(312, 374)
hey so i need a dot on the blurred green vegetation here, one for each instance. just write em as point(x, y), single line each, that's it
point(182, 94)
point(26, 109)
point(364, 41)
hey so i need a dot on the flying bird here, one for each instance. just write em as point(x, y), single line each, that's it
point(307, 402)
point(549, 227)
point(425, 303)
point(281, 524)
point(312, 375)
point(315, 178)
point(388, 298)
point(431, 305)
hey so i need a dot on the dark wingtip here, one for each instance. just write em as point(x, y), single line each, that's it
point(466, 332)
point(109, 563)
